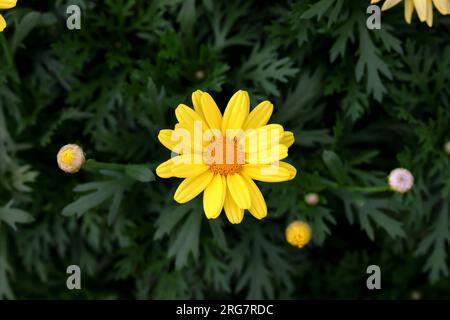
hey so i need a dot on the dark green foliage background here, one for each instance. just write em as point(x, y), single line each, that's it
point(361, 103)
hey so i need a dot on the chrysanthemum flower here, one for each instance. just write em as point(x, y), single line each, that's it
point(70, 158)
point(298, 234)
point(401, 180)
point(424, 8)
point(221, 155)
point(312, 199)
point(5, 4)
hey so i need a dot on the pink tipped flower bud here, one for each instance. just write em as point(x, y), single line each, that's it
point(447, 147)
point(312, 199)
point(401, 180)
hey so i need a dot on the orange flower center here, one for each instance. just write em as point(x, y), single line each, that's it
point(224, 156)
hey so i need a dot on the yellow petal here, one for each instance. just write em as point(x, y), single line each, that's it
point(181, 140)
point(292, 170)
point(164, 170)
point(212, 114)
point(409, 10)
point(443, 6)
point(185, 170)
point(389, 4)
point(197, 102)
point(429, 13)
point(236, 112)
point(288, 139)
point(7, 4)
point(214, 196)
point(266, 172)
point(238, 190)
point(263, 137)
point(188, 118)
point(192, 187)
point(233, 212)
point(421, 8)
point(259, 116)
point(259, 207)
point(165, 137)
point(2, 23)
point(267, 156)
point(374, 1)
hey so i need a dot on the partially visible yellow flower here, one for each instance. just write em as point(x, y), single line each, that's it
point(424, 8)
point(298, 234)
point(5, 4)
point(221, 155)
point(70, 158)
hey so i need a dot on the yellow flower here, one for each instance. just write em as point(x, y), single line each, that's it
point(298, 234)
point(5, 4)
point(70, 158)
point(424, 8)
point(221, 155)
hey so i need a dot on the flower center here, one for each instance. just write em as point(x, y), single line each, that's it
point(224, 156)
point(68, 156)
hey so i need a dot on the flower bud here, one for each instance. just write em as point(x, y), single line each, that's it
point(447, 147)
point(312, 199)
point(401, 180)
point(298, 234)
point(70, 158)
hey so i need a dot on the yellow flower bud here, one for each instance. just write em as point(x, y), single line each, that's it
point(70, 158)
point(298, 234)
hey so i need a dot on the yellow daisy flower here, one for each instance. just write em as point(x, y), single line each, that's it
point(221, 155)
point(5, 4)
point(424, 8)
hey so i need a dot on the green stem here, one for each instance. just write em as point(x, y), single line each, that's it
point(369, 189)
point(6, 50)
point(92, 164)
point(9, 57)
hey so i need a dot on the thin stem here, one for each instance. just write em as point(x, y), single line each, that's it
point(92, 164)
point(6, 50)
point(369, 189)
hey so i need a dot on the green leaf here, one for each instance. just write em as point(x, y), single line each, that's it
point(225, 23)
point(183, 225)
point(139, 172)
point(318, 9)
point(99, 193)
point(264, 68)
point(5, 270)
point(30, 21)
point(437, 241)
point(320, 217)
point(335, 165)
point(255, 267)
point(371, 210)
point(169, 219)
point(12, 216)
point(371, 63)
point(186, 240)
